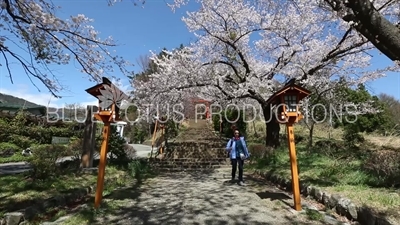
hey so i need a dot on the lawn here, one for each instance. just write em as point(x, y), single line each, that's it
point(18, 192)
point(337, 169)
point(17, 157)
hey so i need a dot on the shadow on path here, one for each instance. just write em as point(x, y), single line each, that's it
point(196, 198)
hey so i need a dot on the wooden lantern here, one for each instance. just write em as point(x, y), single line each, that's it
point(107, 91)
point(287, 100)
point(110, 100)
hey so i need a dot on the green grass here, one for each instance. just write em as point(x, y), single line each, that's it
point(116, 200)
point(18, 191)
point(17, 157)
point(119, 188)
point(341, 170)
point(88, 214)
point(314, 215)
point(340, 173)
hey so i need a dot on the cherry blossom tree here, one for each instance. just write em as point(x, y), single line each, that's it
point(377, 20)
point(246, 50)
point(33, 37)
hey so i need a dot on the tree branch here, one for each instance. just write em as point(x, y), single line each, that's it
point(384, 35)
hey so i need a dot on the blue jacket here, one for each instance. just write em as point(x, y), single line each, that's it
point(232, 153)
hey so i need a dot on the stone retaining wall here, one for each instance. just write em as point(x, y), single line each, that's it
point(343, 206)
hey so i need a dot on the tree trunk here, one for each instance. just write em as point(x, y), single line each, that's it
point(310, 135)
point(88, 140)
point(255, 129)
point(383, 34)
point(272, 127)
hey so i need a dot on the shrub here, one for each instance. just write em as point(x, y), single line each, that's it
point(352, 136)
point(171, 129)
point(74, 148)
point(21, 141)
point(116, 147)
point(8, 146)
point(385, 166)
point(37, 133)
point(228, 116)
point(139, 169)
point(329, 148)
point(44, 161)
point(258, 151)
point(8, 149)
point(138, 133)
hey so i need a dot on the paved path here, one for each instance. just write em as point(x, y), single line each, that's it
point(20, 167)
point(196, 198)
point(142, 151)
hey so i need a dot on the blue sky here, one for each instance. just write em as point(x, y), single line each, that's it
point(137, 30)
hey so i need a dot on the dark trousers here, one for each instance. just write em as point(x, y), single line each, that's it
point(235, 163)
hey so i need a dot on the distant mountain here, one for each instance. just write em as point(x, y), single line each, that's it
point(9, 100)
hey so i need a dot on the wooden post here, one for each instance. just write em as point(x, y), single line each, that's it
point(88, 148)
point(102, 164)
point(107, 115)
point(153, 138)
point(93, 143)
point(154, 133)
point(162, 137)
point(293, 165)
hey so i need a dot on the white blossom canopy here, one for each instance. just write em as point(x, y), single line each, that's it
point(246, 49)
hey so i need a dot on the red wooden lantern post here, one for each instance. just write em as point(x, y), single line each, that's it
point(286, 100)
point(107, 94)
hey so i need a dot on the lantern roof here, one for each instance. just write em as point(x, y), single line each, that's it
point(95, 90)
point(290, 87)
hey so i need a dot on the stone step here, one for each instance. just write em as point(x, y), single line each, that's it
point(200, 157)
point(188, 164)
point(196, 153)
point(182, 167)
point(196, 148)
point(196, 142)
point(191, 159)
point(196, 170)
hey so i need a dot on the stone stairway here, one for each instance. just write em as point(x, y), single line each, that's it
point(196, 148)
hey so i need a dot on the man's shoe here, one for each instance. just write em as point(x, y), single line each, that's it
point(233, 180)
point(241, 183)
